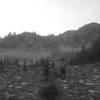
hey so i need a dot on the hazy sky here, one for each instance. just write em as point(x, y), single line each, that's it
point(46, 16)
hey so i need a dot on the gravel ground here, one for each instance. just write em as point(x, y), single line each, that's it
point(81, 82)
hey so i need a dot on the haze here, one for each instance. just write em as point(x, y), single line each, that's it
point(46, 16)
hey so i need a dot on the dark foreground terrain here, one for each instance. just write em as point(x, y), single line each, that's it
point(34, 82)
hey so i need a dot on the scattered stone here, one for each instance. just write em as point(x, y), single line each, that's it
point(10, 86)
point(75, 66)
point(89, 83)
point(95, 70)
point(18, 77)
point(9, 95)
point(18, 87)
point(81, 81)
point(24, 83)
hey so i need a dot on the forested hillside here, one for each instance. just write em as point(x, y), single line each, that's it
point(30, 44)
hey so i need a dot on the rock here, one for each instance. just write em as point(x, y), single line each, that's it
point(24, 83)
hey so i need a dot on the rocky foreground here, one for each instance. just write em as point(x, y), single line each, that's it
point(80, 83)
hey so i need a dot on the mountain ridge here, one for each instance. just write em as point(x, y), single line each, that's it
point(69, 41)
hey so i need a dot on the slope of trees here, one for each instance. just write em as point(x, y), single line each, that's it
point(74, 38)
point(82, 39)
point(88, 56)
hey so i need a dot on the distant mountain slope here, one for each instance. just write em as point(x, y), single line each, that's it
point(68, 41)
point(85, 34)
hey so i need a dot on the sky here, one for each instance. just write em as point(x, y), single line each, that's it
point(46, 16)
